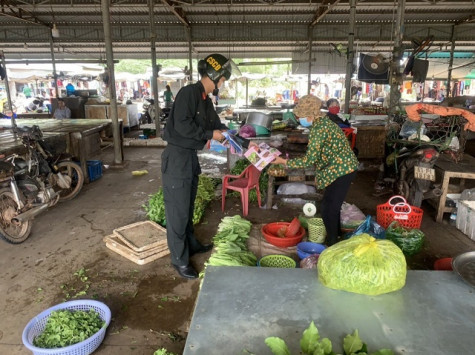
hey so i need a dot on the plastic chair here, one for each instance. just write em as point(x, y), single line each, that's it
point(351, 135)
point(249, 179)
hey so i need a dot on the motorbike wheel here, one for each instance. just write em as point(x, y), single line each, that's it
point(12, 232)
point(73, 172)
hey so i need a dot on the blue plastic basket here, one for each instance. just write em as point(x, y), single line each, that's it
point(36, 326)
point(94, 169)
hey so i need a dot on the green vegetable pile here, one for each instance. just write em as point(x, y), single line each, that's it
point(310, 344)
point(162, 351)
point(66, 327)
point(156, 205)
point(238, 168)
point(409, 240)
point(230, 243)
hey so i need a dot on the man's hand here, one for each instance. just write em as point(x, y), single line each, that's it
point(218, 135)
point(253, 144)
point(279, 160)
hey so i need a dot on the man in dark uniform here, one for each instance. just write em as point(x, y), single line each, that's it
point(191, 123)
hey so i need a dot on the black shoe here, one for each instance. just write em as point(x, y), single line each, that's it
point(186, 271)
point(203, 248)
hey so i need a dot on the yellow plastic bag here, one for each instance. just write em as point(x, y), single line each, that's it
point(363, 264)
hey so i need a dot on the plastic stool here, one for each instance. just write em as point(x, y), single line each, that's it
point(444, 264)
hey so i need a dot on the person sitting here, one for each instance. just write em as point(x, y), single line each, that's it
point(62, 111)
point(333, 106)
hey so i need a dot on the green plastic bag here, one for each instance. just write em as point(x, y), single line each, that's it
point(363, 264)
point(409, 240)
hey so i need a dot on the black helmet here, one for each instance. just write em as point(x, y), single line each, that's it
point(216, 66)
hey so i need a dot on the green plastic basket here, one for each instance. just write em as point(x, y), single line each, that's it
point(281, 261)
point(316, 230)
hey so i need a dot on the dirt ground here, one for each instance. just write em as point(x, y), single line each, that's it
point(65, 257)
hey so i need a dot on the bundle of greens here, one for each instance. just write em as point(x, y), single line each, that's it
point(67, 327)
point(156, 205)
point(409, 240)
point(310, 344)
point(239, 167)
point(230, 243)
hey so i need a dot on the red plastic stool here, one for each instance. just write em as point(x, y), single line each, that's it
point(444, 264)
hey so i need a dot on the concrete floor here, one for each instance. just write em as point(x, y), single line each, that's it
point(151, 307)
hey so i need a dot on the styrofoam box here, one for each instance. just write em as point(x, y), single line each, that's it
point(466, 218)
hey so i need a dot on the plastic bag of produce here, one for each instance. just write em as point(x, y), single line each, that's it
point(310, 262)
point(350, 216)
point(371, 227)
point(363, 264)
point(409, 240)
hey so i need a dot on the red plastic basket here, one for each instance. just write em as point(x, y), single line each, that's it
point(408, 216)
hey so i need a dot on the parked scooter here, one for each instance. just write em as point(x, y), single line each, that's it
point(416, 174)
point(31, 184)
point(148, 112)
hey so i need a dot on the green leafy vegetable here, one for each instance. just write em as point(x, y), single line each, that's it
point(156, 204)
point(409, 240)
point(352, 343)
point(277, 346)
point(162, 351)
point(310, 344)
point(66, 327)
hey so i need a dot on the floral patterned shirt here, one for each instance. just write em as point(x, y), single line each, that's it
point(328, 151)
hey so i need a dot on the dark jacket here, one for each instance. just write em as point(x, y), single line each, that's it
point(338, 120)
point(192, 118)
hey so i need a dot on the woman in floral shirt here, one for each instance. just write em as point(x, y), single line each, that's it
point(330, 153)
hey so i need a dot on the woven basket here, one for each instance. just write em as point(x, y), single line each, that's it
point(316, 230)
point(281, 261)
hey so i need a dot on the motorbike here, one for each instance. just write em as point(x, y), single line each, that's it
point(148, 112)
point(32, 183)
point(417, 174)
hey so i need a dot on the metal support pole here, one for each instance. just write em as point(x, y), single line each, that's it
point(247, 92)
point(310, 35)
point(154, 83)
point(350, 55)
point(451, 62)
point(395, 74)
point(53, 61)
point(190, 59)
point(113, 96)
point(7, 89)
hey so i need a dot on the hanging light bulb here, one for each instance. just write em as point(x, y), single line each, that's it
point(55, 31)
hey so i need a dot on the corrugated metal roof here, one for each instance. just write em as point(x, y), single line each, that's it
point(265, 27)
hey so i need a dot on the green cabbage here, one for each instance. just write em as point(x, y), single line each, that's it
point(363, 264)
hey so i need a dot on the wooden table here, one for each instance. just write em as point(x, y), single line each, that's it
point(448, 169)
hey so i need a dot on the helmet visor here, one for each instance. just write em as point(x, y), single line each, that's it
point(231, 70)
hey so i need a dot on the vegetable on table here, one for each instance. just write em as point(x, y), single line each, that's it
point(311, 344)
point(66, 327)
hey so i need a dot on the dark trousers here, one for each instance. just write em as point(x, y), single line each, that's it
point(333, 198)
point(180, 171)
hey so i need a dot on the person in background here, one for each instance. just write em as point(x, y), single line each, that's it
point(333, 106)
point(168, 97)
point(27, 91)
point(191, 123)
point(62, 111)
point(335, 164)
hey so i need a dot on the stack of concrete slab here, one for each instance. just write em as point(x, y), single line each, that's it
point(140, 242)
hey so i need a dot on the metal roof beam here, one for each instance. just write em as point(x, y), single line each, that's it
point(325, 7)
point(177, 11)
point(19, 13)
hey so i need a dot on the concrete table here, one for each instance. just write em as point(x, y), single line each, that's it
point(238, 307)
